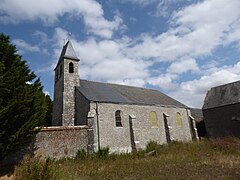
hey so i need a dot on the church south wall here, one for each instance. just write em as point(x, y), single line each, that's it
point(118, 139)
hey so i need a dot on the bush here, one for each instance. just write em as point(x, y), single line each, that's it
point(36, 169)
point(103, 152)
point(152, 146)
point(81, 154)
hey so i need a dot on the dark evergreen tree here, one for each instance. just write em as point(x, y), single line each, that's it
point(49, 111)
point(22, 102)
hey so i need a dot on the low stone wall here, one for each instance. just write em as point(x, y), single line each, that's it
point(59, 141)
point(54, 142)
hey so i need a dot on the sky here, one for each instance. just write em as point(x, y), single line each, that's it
point(179, 47)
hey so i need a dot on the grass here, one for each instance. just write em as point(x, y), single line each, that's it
point(205, 159)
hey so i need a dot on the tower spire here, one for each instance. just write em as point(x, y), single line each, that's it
point(67, 52)
point(66, 79)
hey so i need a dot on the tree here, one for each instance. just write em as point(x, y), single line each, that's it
point(49, 111)
point(22, 102)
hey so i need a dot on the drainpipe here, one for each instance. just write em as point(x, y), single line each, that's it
point(98, 126)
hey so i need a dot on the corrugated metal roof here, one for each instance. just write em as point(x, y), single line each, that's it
point(222, 95)
point(105, 92)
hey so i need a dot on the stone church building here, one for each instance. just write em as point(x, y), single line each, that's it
point(123, 118)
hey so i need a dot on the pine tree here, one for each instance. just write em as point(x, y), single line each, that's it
point(22, 102)
point(49, 111)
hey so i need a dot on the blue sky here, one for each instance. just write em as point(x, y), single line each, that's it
point(180, 47)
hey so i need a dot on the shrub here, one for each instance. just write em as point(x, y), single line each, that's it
point(152, 146)
point(36, 169)
point(103, 152)
point(81, 154)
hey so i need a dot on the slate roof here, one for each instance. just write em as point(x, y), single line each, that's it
point(105, 92)
point(68, 52)
point(226, 94)
point(196, 113)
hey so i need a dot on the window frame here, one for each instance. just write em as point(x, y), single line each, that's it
point(179, 121)
point(154, 119)
point(118, 118)
point(71, 67)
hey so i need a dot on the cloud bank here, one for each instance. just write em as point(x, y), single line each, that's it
point(166, 60)
point(50, 12)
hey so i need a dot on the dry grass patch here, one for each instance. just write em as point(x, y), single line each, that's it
point(195, 160)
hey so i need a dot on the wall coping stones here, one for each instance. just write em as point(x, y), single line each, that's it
point(61, 128)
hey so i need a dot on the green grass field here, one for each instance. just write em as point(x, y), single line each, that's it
point(205, 159)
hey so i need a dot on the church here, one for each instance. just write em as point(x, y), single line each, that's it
point(123, 118)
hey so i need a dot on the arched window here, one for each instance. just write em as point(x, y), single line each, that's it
point(179, 119)
point(118, 118)
point(153, 116)
point(71, 67)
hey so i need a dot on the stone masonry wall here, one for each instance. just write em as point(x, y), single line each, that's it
point(58, 98)
point(82, 108)
point(118, 139)
point(70, 81)
point(64, 94)
point(58, 142)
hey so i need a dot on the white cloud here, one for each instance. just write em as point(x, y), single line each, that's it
point(139, 82)
point(42, 36)
point(183, 65)
point(49, 12)
point(133, 19)
point(119, 69)
point(233, 34)
point(193, 92)
point(109, 62)
point(23, 46)
point(163, 8)
point(195, 32)
point(164, 81)
point(140, 2)
point(104, 60)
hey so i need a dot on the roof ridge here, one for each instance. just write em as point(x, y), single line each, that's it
point(120, 85)
point(221, 85)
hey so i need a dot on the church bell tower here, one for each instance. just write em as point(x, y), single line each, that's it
point(66, 79)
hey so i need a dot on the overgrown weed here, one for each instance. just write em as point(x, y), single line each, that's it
point(203, 159)
point(36, 169)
